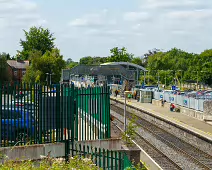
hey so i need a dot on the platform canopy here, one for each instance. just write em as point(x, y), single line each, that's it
point(127, 64)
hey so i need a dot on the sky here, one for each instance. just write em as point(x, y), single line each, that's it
point(92, 27)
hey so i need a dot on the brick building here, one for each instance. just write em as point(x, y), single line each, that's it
point(17, 69)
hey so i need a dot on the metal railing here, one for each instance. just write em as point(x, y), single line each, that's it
point(36, 114)
point(189, 102)
point(103, 158)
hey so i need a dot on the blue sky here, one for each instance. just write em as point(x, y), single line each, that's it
point(93, 27)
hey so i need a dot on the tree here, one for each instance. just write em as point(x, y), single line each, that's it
point(4, 76)
point(51, 62)
point(148, 54)
point(37, 39)
point(6, 56)
point(205, 66)
point(72, 65)
point(92, 60)
point(118, 55)
point(86, 60)
point(138, 61)
point(68, 61)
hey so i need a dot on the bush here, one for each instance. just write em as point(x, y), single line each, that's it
point(75, 163)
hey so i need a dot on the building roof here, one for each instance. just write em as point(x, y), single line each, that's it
point(106, 70)
point(18, 64)
point(126, 64)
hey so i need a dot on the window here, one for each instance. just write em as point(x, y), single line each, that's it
point(15, 73)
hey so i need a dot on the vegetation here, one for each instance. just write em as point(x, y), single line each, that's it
point(51, 164)
point(180, 66)
point(168, 67)
point(3, 67)
point(44, 58)
point(37, 39)
point(51, 62)
point(173, 66)
point(130, 132)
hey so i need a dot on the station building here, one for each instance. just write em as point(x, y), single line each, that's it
point(107, 73)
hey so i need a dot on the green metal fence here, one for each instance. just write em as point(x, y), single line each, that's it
point(35, 114)
point(103, 158)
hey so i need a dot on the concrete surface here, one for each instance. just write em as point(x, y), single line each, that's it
point(33, 152)
point(208, 111)
point(183, 110)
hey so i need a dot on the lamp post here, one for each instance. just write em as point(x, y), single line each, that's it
point(148, 76)
point(197, 77)
point(144, 78)
point(168, 71)
point(181, 75)
point(51, 74)
point(47, 74)
point(158, 78)
point(125, 103)
point(49, 80)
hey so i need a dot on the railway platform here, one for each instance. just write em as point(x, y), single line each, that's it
point(202, 128)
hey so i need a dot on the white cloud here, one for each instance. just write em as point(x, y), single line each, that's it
point(93, 20)
point(192, 14)
point(172, 4)
point(17, 5)
point(19, 13)
point(136, 16)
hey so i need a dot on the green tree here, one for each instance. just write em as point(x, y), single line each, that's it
point(72, 65)
point(205, 66)
point(138, 61)
point(86, 60)
point(118, 55)
point(4, 76)
point(6, 55)
point(39, 39)
point(92, 60)
point(51, 62)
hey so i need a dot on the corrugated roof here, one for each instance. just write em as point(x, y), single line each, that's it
point(18, 64)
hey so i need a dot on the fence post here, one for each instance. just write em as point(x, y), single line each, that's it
point(116, 161)
point(2, 85)
point(111, 152)
point(103, 158)
point(67, 150)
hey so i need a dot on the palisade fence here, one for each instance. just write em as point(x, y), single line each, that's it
point(189, 102)
point(106, 159)
point(36, 114)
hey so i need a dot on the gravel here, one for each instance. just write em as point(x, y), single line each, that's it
point(177, 157)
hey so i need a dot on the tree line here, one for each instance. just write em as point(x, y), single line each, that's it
point(170, 67)
point(167, 67)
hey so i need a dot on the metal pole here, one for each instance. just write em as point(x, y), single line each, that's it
point(137, 77)
point(181, 79)
point(125, 102)
point(144, 77)
point(47, 78)
point(197, 80)
point(158, 79)
point(148, 77)
point(165, 79)
point(50, 79)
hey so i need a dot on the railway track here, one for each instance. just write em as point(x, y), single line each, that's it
point(162, 160)
point(199, 157)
